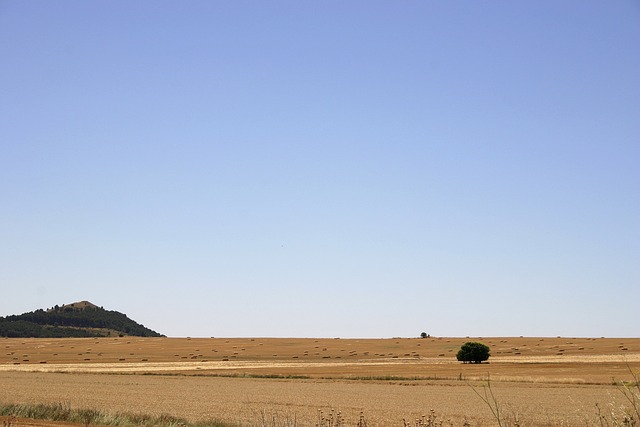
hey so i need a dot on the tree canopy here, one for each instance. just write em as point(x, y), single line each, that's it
point(473, 352)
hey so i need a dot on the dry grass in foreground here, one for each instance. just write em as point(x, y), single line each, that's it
point(269, 402)
point(16, 415)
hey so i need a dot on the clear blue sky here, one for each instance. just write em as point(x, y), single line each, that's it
point(321, 169)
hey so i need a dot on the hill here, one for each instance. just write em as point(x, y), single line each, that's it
point(79, 319)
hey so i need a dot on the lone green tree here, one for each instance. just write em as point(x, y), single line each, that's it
point(473, 352)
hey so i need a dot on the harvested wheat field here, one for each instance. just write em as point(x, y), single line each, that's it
point(542, 381)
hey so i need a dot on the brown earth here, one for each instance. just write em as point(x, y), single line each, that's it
point(28, 422)
point(547, 381)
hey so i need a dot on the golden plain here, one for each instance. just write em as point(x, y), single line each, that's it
point(289, 381)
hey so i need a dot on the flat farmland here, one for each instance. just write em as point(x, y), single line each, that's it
point(546, 381)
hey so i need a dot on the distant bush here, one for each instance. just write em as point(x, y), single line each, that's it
point(473, 352)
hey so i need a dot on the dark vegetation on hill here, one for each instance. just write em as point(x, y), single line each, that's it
point(81, 319)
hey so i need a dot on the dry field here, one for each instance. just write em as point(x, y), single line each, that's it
point(545, 381)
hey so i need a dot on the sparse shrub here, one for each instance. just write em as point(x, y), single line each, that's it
point(332, 419)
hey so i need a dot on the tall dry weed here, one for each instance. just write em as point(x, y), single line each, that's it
point(628, 414)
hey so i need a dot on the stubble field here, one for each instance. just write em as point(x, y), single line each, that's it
point(542, 381)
